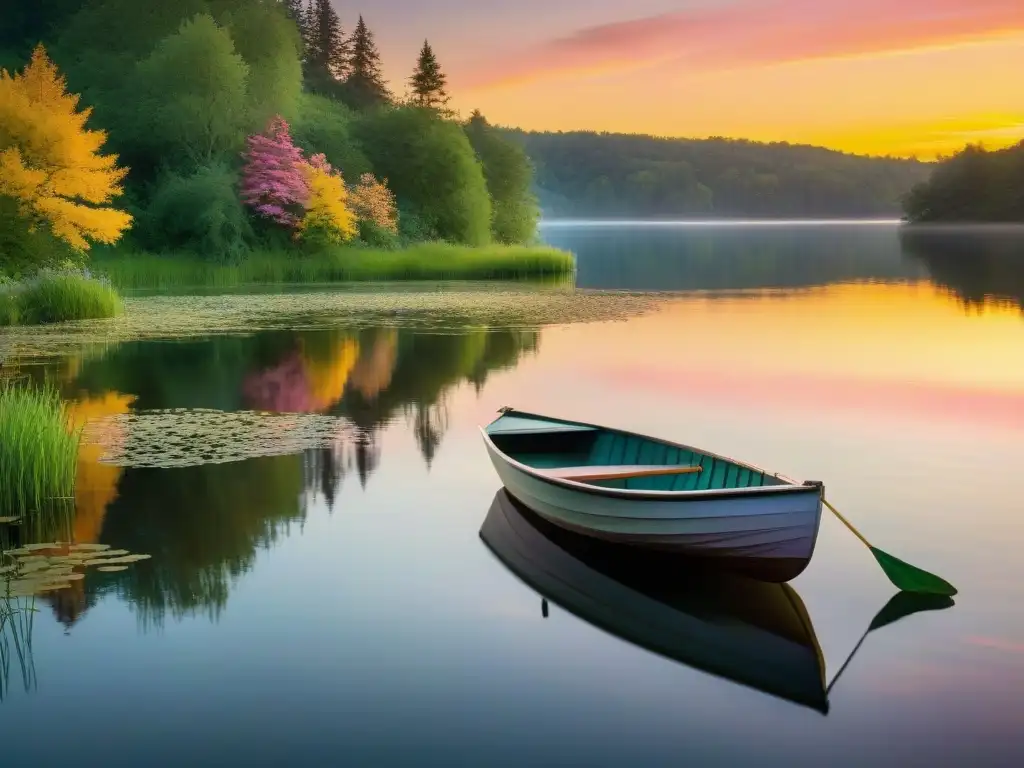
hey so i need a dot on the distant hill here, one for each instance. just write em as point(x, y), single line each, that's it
point(585, 174)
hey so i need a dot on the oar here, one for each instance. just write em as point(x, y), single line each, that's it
point(907, 577)
point(609, 473)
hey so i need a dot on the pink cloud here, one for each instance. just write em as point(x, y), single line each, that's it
point(750, 32)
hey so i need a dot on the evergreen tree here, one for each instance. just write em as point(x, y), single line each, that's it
point(327, 53)
point(428, 81)
point(295, 12)
point(365, 84)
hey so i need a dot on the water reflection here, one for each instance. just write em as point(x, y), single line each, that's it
point(204, 524)
point(979, 265)
point(753, 633)
point(727, 258)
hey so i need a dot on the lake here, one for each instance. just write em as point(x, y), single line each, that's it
point(308, 475)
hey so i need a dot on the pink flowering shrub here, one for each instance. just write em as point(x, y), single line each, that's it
point(273, 183)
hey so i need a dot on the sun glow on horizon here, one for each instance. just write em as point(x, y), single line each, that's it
point(925, 80)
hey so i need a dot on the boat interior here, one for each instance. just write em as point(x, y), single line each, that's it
point(610, 459)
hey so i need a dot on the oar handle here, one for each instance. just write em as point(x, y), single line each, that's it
point(846, 522)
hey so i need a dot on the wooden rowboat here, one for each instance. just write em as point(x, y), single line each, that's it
point(751, 632)
point(641, 491)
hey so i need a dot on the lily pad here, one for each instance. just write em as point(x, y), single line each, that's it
point(118, 560)
point(88, 547)
point(107, 553)
point(9, 520)
point(112, 568)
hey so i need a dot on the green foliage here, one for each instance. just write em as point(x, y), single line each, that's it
point(269, 43)
point(21, 251)
point(373, 235)
point(200, 212)
point(509, 177)
point(972, 186)
point(430, 166)
point(324, 125)
point(590, 174)
point(191, 98)
point(341, 263)
point(10, 309)
point(38, 449)
point(55, 297)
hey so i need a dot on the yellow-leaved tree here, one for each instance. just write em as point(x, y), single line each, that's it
point(328, 219)
point(50, 163)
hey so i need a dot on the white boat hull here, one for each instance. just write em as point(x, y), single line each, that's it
point(773, 530)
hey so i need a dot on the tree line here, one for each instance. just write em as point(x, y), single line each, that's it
point(587, 174)
point(974, 185)
point(201, 104)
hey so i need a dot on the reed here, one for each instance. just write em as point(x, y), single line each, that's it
point(54, 297)
point(38, 450)
point(426, 261)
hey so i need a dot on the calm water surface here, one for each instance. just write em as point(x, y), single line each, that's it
point(335, 605)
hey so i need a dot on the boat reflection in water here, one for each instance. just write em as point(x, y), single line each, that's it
point(754, 633)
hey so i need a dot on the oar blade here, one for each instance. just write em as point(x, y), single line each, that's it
point(910, 578)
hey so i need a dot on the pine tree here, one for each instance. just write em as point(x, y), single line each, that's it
point(428, 81)
point(295, 11)
point(327, 54)
point(366, 86)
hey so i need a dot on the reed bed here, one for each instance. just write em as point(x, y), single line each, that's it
point(38, 450)
point(54, 297)
point(427, 261)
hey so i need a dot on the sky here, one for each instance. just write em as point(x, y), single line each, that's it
point(899, 77)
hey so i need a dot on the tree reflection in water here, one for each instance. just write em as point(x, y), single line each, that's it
point(978, 265)
point(203, 525)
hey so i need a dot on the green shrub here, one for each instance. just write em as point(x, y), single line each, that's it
point(324, 125)
point(23, 252)
point(509, 175)
point(9, 310)
point(430, 166)
point(38, 449)
point(201, 213)
point(373, 235)
point(54, 297)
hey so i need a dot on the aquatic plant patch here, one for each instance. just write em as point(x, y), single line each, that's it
point(430, 306)
point(193, 437)
point(51, 566)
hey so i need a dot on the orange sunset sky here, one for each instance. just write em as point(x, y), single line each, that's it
point(896, 77)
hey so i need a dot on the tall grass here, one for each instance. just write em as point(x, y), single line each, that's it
point(426, 261)
point(57, 296)
point(38, 449)
point(53, 297)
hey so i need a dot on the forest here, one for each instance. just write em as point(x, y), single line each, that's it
point(973, 186)
point(587, 174)
point(222, 127)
